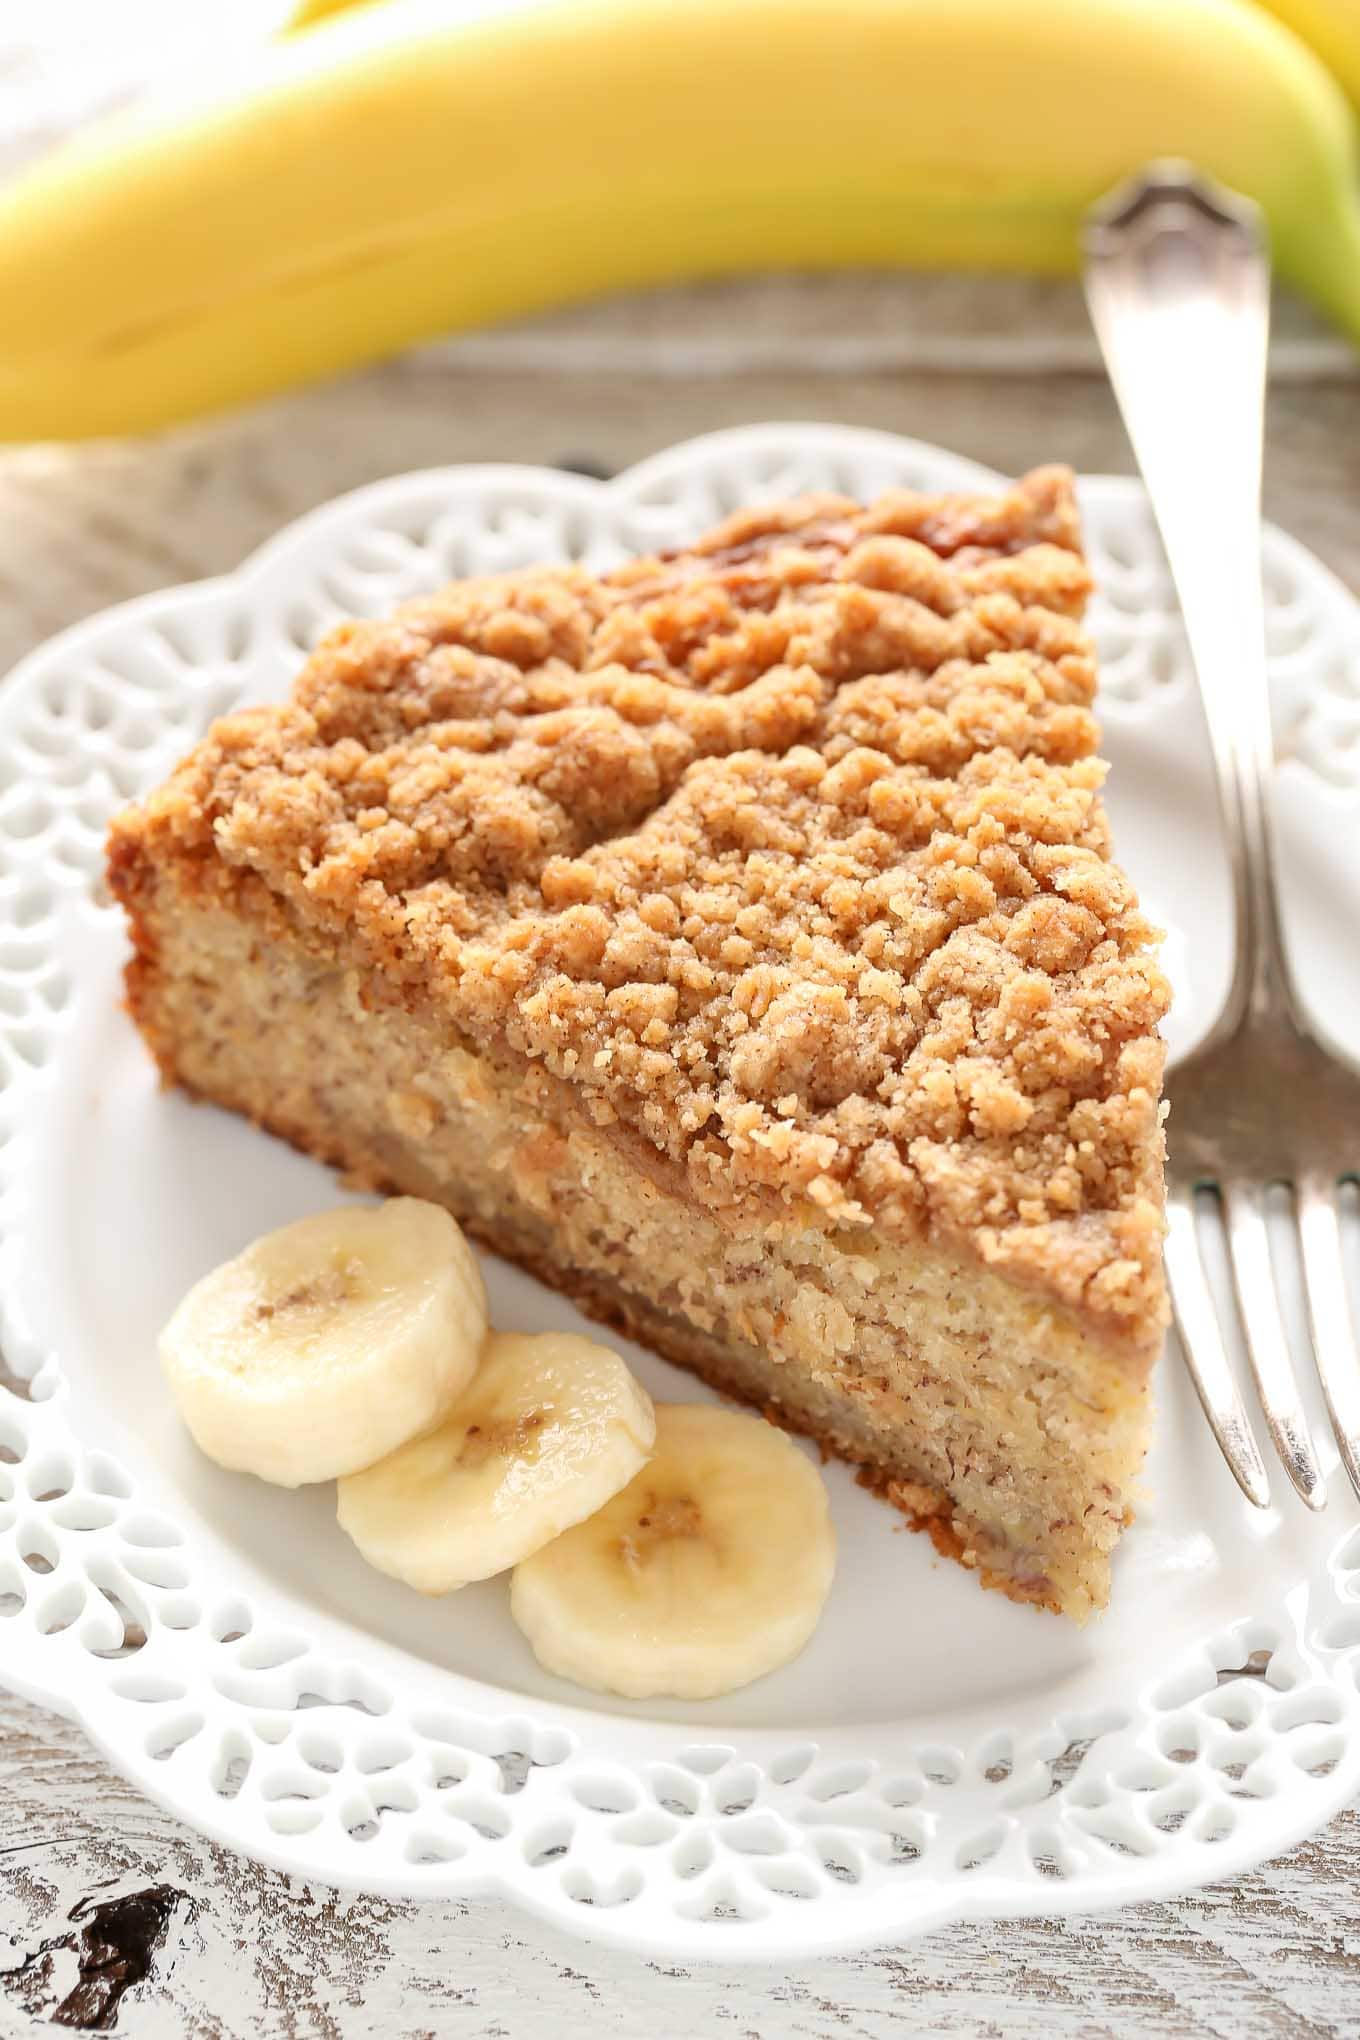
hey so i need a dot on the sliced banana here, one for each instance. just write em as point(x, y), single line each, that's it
point(550, 1428)
point(327, 1344)
point(710, 1569)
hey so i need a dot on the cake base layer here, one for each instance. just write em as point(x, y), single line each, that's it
point(980, 1408)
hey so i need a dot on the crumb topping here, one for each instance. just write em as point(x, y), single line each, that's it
point(787, 852)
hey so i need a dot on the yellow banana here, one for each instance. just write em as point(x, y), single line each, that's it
point(402, 170)
point(1331, 28)
point(307, 12)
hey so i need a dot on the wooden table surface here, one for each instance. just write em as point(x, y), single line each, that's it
point(108, 1908)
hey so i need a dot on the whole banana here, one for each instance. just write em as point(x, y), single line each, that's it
point(402, 170)
point(1331, 28)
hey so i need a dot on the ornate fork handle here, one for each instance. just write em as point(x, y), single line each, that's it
point(1178, 283)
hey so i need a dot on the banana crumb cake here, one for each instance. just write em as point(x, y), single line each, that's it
point(733, 941)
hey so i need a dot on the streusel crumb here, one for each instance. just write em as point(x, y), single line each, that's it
point(788, 852)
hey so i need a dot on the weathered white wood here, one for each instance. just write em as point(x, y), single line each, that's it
point(1275, 1956)
point(82, 527)
point(860, 323)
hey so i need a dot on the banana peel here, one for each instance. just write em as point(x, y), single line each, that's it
point(1331, 29)
point(309, 11)
point(400, 171)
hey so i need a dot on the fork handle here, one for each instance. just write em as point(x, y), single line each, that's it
point(1178, 284)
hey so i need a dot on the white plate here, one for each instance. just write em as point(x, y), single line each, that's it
point(937, 1753)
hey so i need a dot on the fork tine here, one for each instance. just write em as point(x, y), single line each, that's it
point(1329, 1314)
point(1258, 1305)
point(1205, 1354)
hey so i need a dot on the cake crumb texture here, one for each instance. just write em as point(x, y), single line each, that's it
point(787, 853)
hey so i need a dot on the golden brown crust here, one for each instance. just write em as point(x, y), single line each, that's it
point(787, 852)
point(927, 1509)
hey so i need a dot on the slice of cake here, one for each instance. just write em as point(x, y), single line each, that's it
point(733, 942)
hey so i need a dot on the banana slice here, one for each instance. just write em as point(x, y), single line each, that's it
point(328, 1343)
point(551, 1427)
point(709, 1570)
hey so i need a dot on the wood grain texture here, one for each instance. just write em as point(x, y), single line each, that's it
point(83, 527)
point(1273, 1956)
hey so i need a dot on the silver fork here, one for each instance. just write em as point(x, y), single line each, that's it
point(1178, 284)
